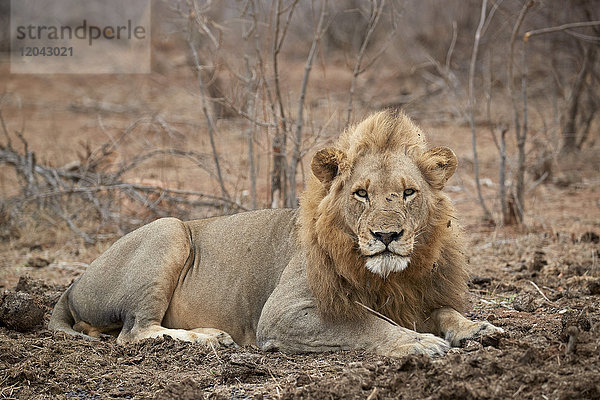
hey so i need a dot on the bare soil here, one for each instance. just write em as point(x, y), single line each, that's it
point(543, 288)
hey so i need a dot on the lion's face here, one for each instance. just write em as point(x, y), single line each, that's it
point(385, 200)
point(386, 209)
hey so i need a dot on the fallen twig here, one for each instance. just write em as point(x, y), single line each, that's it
point(143, 188)
point(377, 314)
point(277, 385)
point(373, 394)
point(542, 293)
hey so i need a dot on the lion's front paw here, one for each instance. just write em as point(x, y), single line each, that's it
point(419, 343)
point(213, 337)
point(226, 340)
point(474, 331)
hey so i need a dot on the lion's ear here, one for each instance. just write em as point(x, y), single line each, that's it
point(438, 165)
point(326, 164)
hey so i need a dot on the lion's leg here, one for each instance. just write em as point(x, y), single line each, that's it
point(130, 286)
point(290, 322)
point(205, 336)
point(455, 328)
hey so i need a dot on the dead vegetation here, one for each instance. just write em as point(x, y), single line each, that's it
point(96, 184)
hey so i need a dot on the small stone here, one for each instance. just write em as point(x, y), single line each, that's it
point(472, 345)
point(37, 262)
point(525, 303)
point(539, 261)
point(594, 287)
point(590, 237)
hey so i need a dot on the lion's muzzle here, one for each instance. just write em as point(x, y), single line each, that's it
point(387, 251)
point(377, 242)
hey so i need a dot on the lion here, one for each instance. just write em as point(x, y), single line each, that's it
point(373, 259)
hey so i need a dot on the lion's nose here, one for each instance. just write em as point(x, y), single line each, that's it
point(387, 237)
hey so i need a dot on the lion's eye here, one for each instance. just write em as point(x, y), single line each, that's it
point(409, 192)
point(362, 193)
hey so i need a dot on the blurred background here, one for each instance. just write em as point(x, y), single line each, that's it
point(242, 93)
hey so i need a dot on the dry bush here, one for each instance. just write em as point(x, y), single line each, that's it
point(533, 76)
point(99, 196)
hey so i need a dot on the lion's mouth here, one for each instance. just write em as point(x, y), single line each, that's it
point(388, 253)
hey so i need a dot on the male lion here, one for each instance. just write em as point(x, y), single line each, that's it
point(374, 234)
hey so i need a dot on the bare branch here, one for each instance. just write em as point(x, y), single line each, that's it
point(209, 120)
point(299, 118)
point(5, 131)
point(522, 139)
point(572, 106)
point(252, 88)
point(376, 11)
point(452, 44)
point(277, 45)
point(65, 192)
point(375, 57)
point(487, 214)
point(520, 130)
point(199, 17)
point(279, 146)
point(135, 187)
point(559, 28)
point(108, 148)
point(86, 238)
point(198, 158)
point(291, 9)
point(226, 101)
point(526, 6)
point(581, 36)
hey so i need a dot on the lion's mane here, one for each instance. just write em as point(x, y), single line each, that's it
point(336, 273)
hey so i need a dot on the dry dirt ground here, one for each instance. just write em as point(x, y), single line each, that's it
point(550, 350)
point(540, 282)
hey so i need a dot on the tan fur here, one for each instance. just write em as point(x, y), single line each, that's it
point(373, 228)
